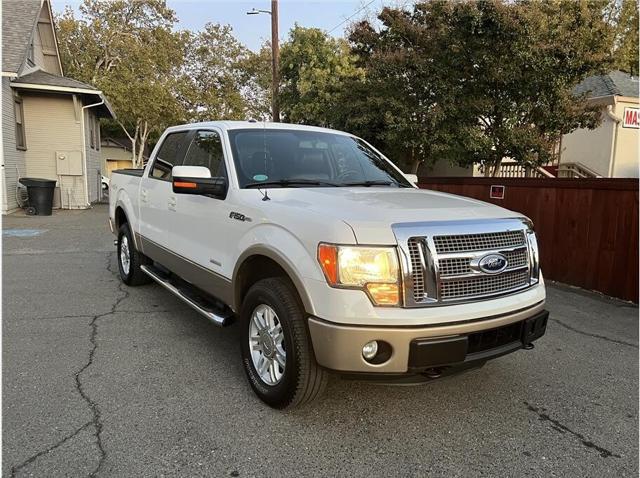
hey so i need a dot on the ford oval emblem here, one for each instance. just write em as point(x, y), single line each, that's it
point(493, 263)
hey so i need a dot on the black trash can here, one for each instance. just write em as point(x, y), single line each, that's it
point(40, 192)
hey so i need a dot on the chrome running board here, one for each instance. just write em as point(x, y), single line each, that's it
point(189, 294)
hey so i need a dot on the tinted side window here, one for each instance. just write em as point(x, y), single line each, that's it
point(206, 150)
point(167, 156)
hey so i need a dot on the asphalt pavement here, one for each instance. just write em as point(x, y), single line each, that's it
point(105, 380)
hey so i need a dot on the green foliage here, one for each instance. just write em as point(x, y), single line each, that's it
point(624, 20)
point(256, 83)
point(478, 81)
point(215, 74)
point(313, 69)
point(470, 82)
point(129, 51)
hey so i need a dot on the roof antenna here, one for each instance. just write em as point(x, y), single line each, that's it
point(265, 194)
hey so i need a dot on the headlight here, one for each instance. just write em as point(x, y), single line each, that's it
point(372, 269)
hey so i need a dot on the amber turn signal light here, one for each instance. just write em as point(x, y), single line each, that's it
point(384, 294)
point(328, 258)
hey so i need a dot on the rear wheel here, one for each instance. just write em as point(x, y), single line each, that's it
point(130, 260)
point(276, 349)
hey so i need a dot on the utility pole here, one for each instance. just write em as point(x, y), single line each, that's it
point(275, 61)
point(275, 57)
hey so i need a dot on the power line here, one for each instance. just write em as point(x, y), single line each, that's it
point(351, 16)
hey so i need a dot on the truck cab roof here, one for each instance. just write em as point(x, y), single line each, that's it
point(226, 125)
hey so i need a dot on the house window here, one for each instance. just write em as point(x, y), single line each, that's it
point(92, 131)
point(97, 129)
point(21, 140)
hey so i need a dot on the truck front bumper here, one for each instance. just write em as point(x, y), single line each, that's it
point(407, 350)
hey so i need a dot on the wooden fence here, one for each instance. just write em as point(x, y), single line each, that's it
point(587, 229)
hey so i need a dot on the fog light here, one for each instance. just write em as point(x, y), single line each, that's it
point(370, 350)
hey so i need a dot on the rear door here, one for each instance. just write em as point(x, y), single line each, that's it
point(157, 201)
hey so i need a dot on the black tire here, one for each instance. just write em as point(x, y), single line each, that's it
point(303, 380)
point(135, 275)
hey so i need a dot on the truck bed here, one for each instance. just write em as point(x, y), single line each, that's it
point(129, 172)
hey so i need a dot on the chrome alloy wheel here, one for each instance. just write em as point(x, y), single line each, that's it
point(266, 344)
point(125, 260)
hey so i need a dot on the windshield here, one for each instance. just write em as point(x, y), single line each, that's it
point(295, 158)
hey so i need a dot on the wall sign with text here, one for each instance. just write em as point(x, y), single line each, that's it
point(496, 192)
point(631, 118)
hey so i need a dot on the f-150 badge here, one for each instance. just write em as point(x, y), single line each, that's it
point(239, 217)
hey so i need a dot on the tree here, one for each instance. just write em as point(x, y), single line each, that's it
point(313, 68)
point(479, 81)
point(130, 52)
point(399, 91)
point(623, 16)
point(256, 82)
point(215, 75)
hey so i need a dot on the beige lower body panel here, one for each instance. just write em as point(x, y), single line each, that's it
point(339, 347)
point(206, 280)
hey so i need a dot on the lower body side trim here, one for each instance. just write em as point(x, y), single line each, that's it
point(214, 284)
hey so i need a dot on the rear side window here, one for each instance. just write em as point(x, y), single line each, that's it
point(169, 155)
point(206, 150)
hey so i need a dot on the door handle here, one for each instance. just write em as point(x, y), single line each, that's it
point(172, 203)
point(143, 195)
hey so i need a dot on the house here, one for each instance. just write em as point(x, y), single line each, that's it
point(116, 154)
point(50, 123)
point(611, 150)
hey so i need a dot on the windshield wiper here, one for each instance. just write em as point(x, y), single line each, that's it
point(289, 182)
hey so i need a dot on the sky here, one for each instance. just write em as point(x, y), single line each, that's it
point(253, 30)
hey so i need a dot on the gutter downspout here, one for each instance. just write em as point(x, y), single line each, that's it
point(84, 151)
point(614, 143)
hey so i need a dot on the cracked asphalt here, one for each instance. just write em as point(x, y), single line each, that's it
point(104, 380)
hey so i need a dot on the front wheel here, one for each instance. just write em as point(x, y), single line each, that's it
point(276, 349)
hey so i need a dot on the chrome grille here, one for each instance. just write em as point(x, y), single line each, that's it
point(415, 256)
point(455, 267)
point(478, 242)
point(462, 265)
point(484, 285)
point(517, 258)
point(442, 260)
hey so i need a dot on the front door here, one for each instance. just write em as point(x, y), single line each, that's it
point(200, 221)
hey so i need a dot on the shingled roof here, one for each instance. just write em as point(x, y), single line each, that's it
point(614, 83)
point(18, 23)
point(40, 77)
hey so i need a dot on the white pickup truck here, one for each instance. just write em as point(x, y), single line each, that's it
point(329, 258)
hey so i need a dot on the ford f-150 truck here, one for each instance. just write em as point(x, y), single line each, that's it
point(327, 256)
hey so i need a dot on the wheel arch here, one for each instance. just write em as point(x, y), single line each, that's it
point(120, 216)
point(260, 262)
point(123, 213)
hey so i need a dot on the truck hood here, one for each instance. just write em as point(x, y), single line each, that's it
point(371, 211)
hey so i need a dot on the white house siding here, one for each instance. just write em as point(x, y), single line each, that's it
point(44, 44)
point(93, 156)
point(13, 159)
point(51, 126)
point(590, 147)
point(625, 164)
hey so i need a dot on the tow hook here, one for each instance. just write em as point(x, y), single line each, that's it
point(433, 373)
point(529, 346)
